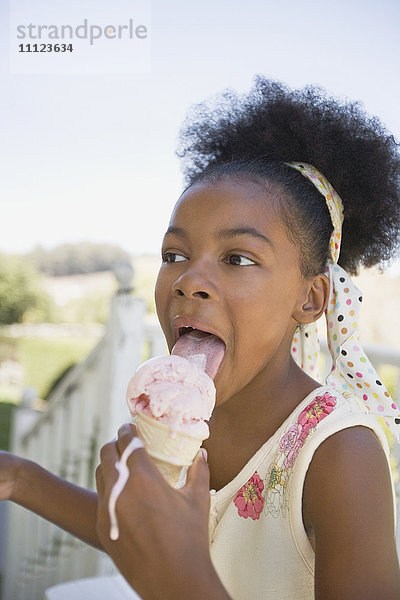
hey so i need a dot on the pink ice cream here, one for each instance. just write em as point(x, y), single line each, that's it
point(175, 391)
point(172, 398)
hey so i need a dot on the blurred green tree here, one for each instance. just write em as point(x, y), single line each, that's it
point(21, 295)
point(79, 258)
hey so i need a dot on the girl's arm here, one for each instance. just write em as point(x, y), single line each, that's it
point(162, 549)
point(67, 505)
point(348, 504)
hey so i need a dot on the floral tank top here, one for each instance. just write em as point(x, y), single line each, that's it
point(259, 547)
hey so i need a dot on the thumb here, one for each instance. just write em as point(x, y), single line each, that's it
point(198, 475)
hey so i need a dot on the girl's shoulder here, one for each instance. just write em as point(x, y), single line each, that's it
point(322, 414)
point(326, 411)
point(325, 417)
point(348, 507)
point(340, 496)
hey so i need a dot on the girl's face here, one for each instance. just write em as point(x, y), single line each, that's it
point(230, 269)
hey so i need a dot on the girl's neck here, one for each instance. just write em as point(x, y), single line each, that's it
point(242, 424)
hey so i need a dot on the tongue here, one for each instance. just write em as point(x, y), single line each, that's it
point(196, 343)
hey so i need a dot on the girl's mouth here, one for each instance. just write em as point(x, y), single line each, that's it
point(195, 342)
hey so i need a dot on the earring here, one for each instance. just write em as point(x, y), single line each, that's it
point(298, 328)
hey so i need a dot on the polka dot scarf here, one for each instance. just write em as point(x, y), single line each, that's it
point(351, 369)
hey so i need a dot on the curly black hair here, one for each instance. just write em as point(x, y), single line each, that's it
point(253, 135)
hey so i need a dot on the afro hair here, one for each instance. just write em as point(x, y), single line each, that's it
point(256, 133)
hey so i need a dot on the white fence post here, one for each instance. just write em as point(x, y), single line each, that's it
point(84, 412)
point(126, 330)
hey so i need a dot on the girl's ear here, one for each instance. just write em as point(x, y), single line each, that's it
point(314, 300)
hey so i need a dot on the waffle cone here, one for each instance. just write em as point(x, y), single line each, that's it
point(170, 450)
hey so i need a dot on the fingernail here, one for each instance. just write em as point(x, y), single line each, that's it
point(204, 453)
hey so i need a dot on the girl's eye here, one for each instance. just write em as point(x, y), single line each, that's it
point(239, 260)
point(172, 257)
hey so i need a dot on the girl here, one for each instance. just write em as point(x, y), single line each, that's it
point(296, 499)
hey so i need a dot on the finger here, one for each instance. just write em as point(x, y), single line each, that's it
point(109, 452)
point(112, 459)
point(198, 477)
point(112, 452)
point(133, 456)
point(130, 445)
point(107, 471)
point(138, 459)
point(126, 431)
point(99, 482)
point(132, 453)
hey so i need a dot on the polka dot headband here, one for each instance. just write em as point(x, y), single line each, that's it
point(351, 371)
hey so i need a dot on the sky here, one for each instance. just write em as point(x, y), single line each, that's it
point(90, 155)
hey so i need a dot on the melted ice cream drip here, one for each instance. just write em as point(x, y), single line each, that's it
point(123, 475)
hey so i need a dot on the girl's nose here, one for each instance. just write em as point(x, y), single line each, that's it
point(195, 284)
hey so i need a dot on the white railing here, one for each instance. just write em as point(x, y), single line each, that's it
point(84, 411)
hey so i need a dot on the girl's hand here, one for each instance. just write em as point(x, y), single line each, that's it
point(67, 505)
point(163, 548)
point(9, 468)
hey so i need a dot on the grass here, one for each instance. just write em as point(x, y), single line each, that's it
point(6, 409)
point(43, 359)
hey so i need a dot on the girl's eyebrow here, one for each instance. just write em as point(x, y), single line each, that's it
point(236, 231)
point(176, 231)
point(226, 233)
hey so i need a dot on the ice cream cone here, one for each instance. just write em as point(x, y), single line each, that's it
point(172, 473)
point(170, 450)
